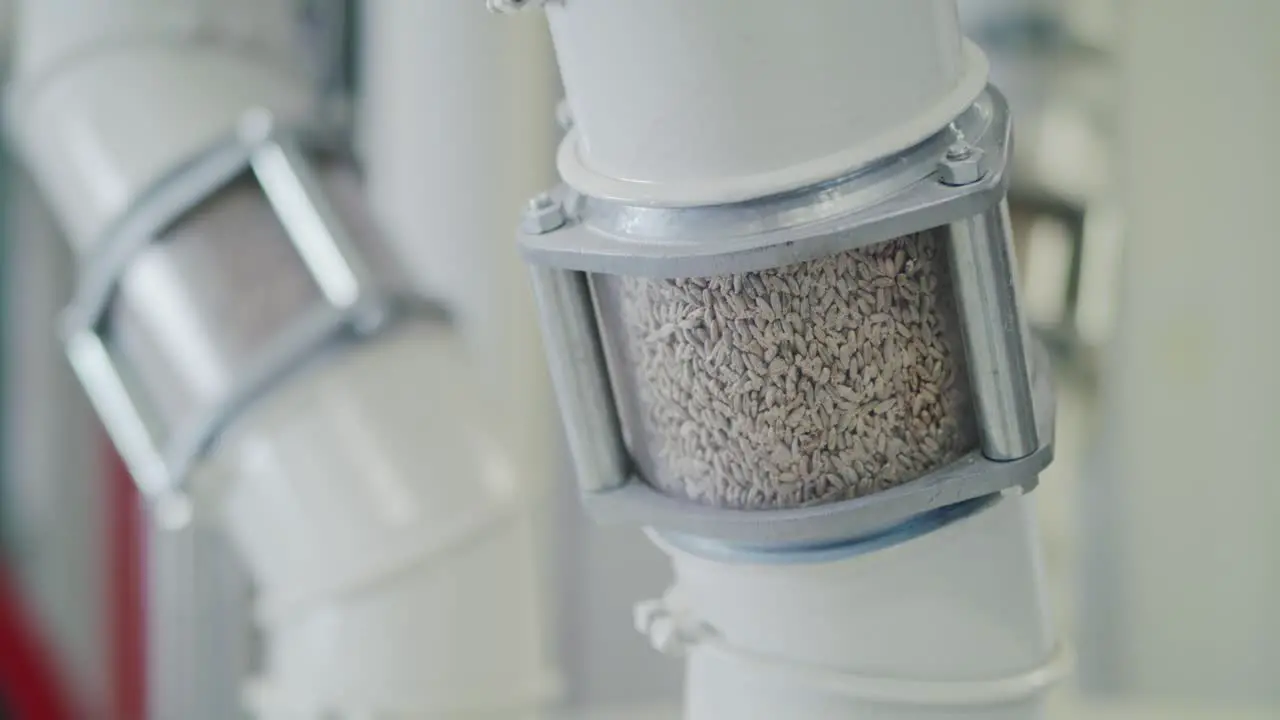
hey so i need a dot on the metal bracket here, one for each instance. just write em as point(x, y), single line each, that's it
point(910, 192)
point(354, 304)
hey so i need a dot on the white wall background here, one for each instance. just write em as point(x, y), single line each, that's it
point(1182, 547)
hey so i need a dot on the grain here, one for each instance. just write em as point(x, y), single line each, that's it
point(808, 384)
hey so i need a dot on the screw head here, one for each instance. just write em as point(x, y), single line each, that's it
point(542, 215)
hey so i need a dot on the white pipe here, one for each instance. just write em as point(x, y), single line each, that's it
point(109, 96)
point(456, 128)
point(950, 624)
point(391, 538)
point(53, 499)
point(698, 102)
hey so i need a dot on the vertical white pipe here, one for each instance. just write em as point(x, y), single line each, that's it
point(695, 102)
point(456, 127)
point(53, 496)
point(457, 130)
point(393, 541)
point(1182, 546)
point(950, 624)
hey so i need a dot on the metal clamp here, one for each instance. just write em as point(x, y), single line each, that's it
point(917, 190)
point(353, 302)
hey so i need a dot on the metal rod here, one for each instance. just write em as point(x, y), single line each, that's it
point(580, 376)
point(982, 269)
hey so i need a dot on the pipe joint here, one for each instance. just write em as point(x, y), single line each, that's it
point(581, 271)
point(346, 299)
point(887, 627)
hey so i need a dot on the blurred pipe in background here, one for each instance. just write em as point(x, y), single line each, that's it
point(31, 682)
point(125, 606)
point(456, 129)
point(1182, 548)
point(53, 486)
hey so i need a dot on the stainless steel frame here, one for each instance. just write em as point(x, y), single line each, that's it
point(894, 197)
point(982, 271)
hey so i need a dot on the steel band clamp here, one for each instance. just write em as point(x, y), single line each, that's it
point(355, 303)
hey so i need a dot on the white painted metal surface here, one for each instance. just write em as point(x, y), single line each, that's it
point(391, 538)
point(683, 102)
point(950, 624)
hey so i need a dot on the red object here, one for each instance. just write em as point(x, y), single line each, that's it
point(125, 602)
point(30, 685)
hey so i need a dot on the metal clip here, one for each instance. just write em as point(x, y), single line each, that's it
point(353, 303)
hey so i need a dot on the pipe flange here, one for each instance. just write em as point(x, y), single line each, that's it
point(913, 191)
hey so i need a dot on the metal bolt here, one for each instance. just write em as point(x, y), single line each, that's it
point(645, 612)
point(963, 165)
point(542, 215)
point(653, 619)
point(665, 637)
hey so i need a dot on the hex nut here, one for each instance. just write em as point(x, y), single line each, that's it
point(542, 215)
point(962, 165)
